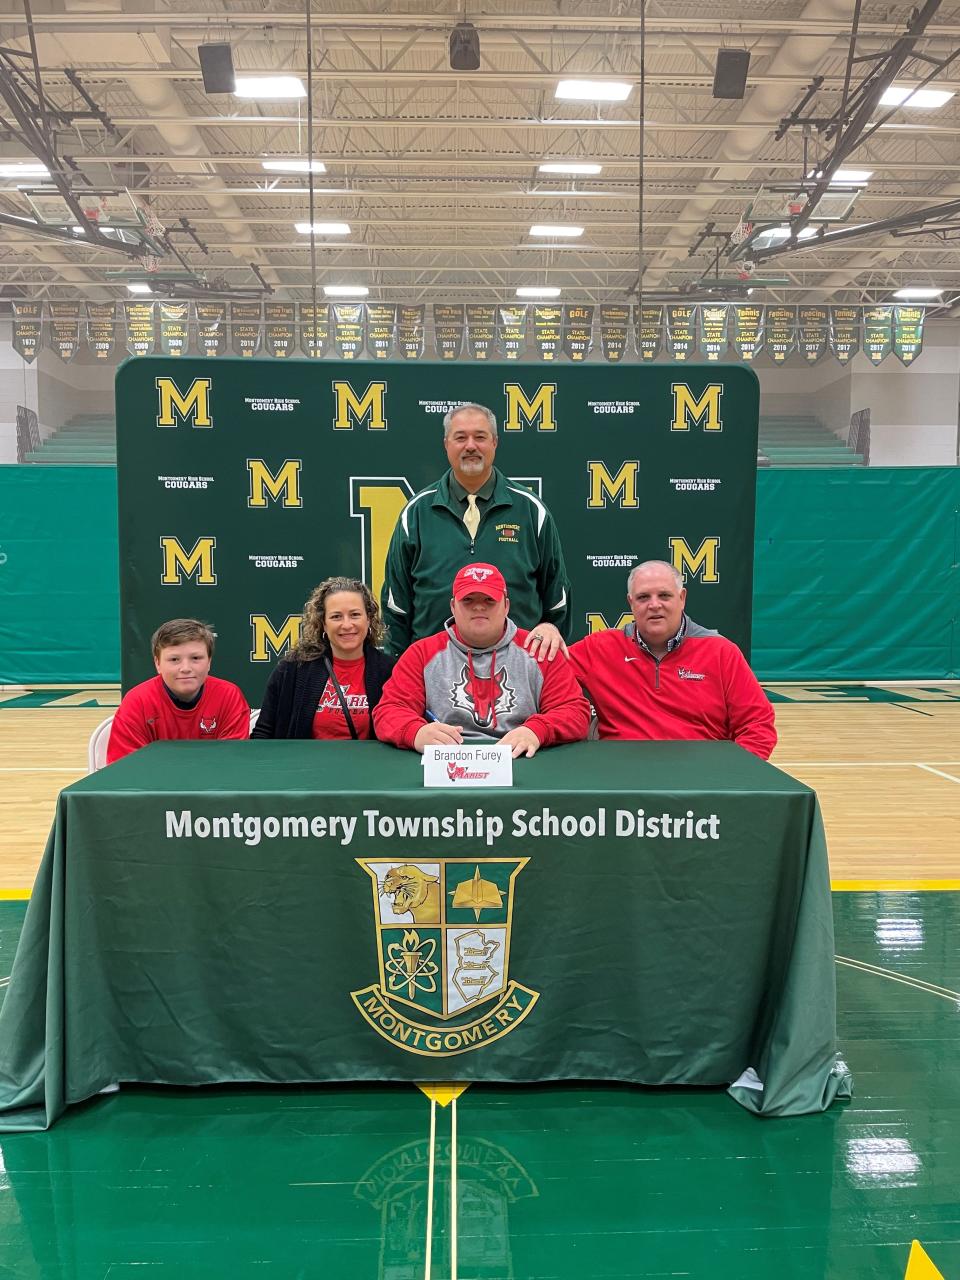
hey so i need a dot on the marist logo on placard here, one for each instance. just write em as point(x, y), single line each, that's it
point(443, 944)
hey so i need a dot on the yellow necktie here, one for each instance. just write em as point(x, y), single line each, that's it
point(471, 517)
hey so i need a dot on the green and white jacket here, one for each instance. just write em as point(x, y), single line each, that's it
point(430, 543)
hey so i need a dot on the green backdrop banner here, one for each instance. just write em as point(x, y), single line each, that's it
point(243, 485)
point(858, 574)
point(833, 552)
point(59, 599)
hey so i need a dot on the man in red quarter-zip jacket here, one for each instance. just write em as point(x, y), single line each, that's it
point(664, 677)
point(475, 680)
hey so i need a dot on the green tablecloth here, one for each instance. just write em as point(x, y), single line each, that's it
point(284, 911)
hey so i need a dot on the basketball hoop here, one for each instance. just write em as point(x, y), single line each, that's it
point(740, 232)
point(151, 263)
point(154, 226)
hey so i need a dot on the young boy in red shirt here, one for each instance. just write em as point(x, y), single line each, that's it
point(182, 701)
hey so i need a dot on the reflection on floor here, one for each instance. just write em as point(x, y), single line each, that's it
point(552, 1183)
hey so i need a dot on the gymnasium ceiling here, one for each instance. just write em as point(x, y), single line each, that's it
point(436, 171)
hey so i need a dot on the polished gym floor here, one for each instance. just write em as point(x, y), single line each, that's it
point(559, 1183)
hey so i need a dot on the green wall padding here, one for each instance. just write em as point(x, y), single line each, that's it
point(857, 574)
point(59, 594)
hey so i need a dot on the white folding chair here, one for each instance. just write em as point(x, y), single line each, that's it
point(97, 747)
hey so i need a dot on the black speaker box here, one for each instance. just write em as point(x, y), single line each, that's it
point(464, 47)
point(730, 77)
point(216, 66)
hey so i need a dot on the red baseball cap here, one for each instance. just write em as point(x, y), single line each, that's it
point(485, 578)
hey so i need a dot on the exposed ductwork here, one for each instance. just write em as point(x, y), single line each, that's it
point(160, 97)
point(797, 55)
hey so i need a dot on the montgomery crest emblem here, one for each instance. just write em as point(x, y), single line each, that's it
point(443, 944)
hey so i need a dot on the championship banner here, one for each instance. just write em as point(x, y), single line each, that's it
point(448, 330)
point(63, 333)
point(577, 332)
point(101, 329)
point(141, 327)
point(381, 329)
point(814, 327)
point(844, 333)
point(713, 329)
point(27, 329)
point(747, 330)
point(649, 326)
point(907, 333)
point(511, 329)
point(174, 327)
point(548, 330)
point(212, 328)
point(878, 333)
point(314, 329)
point(681, 330)
point(781, 333)
point(245, 328)
point(237, 478)
point(614, 331)
point(348, 329)
point(279, 329)
point(481, 330)
point(410, 331)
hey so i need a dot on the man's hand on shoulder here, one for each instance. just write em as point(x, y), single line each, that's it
point(438, 734)
point(523, 741)
point(544, 643)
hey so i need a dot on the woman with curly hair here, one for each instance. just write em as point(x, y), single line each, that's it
point(327, 686)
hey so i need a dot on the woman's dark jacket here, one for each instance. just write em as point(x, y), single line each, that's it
point(294, 689)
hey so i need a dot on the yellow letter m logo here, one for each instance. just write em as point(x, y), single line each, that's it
point(269, 643)
point(688, 408)
point(178, 563)
point(621, 488)
point(285, 485)
point(537, 409)
point(353, 409)
point(701, 563)
point(193, 407)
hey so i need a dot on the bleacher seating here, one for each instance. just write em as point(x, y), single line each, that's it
point(88, 439)
point(800, 440)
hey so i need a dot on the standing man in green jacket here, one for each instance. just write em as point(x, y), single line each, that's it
point(474, 512)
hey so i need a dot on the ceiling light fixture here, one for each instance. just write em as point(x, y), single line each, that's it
point(918, 292)
point(556, 230)
point(571, 167)
point(345, 290)
point(538, 291)
point(23, 169)
point(905, 95)
point(323, 228)
point(138, 286)
point(853, 176)
point(594, 90)
point(294, 166)
point(266, 87)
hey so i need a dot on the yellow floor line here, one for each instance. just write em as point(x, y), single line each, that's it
point(894, 886)
point(838, 886)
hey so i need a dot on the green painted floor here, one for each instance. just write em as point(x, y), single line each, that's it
point(553, 1183)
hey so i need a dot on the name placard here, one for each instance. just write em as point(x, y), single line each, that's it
point(473, 764)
